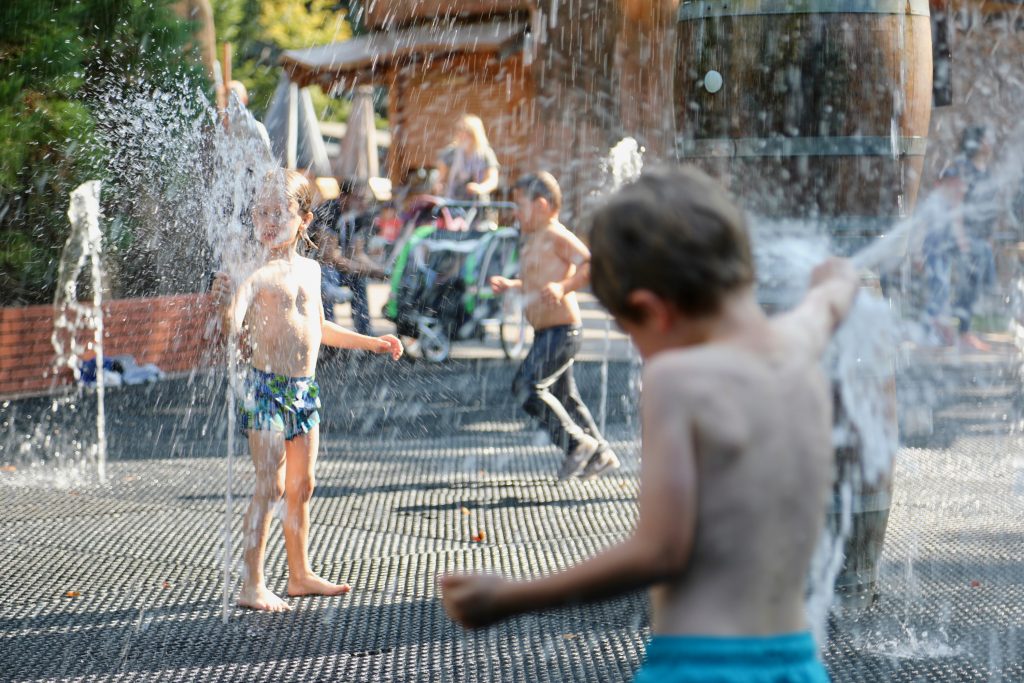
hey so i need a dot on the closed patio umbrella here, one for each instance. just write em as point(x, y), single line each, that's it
point(295, 137)
point(357, 159)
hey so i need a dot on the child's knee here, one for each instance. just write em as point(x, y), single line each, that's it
point(300, 489)
point(270, 488)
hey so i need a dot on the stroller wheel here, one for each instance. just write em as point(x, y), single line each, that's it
point(435, 349)
point(433, 342)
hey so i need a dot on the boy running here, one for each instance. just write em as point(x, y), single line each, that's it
point(554, 263)
point(737, 453)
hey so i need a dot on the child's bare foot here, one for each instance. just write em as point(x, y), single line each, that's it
point(311, 584)
point(260, 597)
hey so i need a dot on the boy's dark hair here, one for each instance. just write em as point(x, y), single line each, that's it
point(540, 184)
point(674, 232)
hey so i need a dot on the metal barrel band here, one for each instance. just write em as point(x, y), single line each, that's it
point(703, 9)
point(860, 145)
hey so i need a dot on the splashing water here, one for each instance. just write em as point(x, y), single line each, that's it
point(622, 166)
point(242, 160)
point(860, 363)
point(83, 244)
point(202, 169)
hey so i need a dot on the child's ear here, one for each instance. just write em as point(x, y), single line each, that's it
point(651, 309)
point(307, 219)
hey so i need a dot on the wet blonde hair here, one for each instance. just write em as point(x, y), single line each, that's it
point(297, 188)
point(475, 127)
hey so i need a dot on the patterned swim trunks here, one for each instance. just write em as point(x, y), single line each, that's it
point(276, 403)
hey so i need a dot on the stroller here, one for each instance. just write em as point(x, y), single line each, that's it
point(440, 291)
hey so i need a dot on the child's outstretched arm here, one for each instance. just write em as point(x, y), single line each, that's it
point(336, 335)
point(834, 287)
point(658, 549)
point(233, 304)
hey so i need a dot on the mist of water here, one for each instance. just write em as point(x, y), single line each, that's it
point(190, 175)
point(622, 166)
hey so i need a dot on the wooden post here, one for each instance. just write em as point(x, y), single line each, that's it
point(646, 60)
point(222, 87)
point(225, 63)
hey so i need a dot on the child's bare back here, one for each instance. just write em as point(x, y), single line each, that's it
point(758, 415)
point(736, 448)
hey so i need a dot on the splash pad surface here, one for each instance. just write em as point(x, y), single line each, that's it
point(123, 581)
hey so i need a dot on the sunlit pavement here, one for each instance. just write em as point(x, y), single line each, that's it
point(430, 468)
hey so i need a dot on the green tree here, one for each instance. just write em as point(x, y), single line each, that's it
point(54, 59)
point(261, 31)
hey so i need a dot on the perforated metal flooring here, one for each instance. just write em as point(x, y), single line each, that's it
point(123, 581)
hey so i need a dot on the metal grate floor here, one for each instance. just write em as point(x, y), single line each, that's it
point(123, 581)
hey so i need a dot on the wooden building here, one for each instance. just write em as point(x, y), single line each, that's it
point(551, 89)
point(433, 73)
point(556, 91)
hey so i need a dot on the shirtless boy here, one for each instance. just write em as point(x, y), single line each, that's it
point(554, 263)
point(279, 307)
point(737, 456)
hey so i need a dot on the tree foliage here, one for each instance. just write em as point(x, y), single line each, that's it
point(261, 31)
point(53, 57)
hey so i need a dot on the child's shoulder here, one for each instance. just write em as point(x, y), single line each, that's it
point(559, 230)
point(306, 263)
point(697, 369)
point(558, 236)
point(701, 358)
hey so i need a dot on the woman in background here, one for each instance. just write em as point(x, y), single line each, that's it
point(468, 167)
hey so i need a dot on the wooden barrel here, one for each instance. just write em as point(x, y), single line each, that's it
point(807, 108)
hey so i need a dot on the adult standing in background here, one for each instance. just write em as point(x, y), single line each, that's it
point(242, 93)
point(468, 167)
point(974, 266)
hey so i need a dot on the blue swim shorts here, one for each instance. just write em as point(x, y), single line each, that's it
point(276, 403)
point(786, 658)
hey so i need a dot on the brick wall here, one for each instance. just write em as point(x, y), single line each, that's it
point(170, 331)
point(427, 97)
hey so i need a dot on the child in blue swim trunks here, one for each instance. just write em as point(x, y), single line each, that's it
point(737, 458)
point(279, 309)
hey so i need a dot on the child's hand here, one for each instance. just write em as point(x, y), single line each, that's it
point(389, 343)
point(472, 599)
point(500, 284)
point(833, 268)
point(221, 289)
point(552, 293)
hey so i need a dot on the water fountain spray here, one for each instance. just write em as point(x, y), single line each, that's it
point(622, 166)
point(85, 242)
